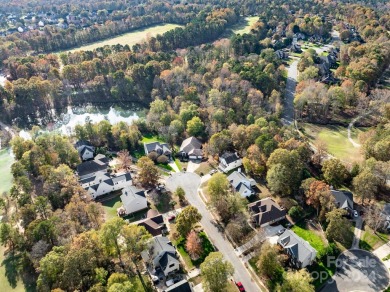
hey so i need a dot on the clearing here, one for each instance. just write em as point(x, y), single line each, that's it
point(5, 169)
point(245, 25)
point(131, 38)
point(336, 140)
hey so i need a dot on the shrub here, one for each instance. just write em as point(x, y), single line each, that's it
point(153, 156)
point(296, 212)
point(162, 159)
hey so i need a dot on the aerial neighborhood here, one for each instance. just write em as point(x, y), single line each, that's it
point(189, 146)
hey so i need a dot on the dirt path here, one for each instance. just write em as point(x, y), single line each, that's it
point(350, 126)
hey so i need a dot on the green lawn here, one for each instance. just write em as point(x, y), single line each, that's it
point(370, 240)
point(130, 38)
point(245, 25)
point(110, 207)
point(336, 139)
point(147, 138)
point(5, 169)
point(310, 236)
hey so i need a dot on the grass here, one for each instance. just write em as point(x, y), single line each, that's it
point(245, 25)
point(336, 140)
point(370, 240)
point(310, 236)
point(110, 206)
point(131, 38)
point(147, 138)
point(5, 169)
point(207, 249)
point(178, 164)
point(319, 269)
point(386, 258)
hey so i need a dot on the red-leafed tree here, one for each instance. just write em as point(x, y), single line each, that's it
point(194, 245)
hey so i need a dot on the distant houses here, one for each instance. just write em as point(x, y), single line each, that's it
point(241, 184)
point(301, 253)
point(229, 161)
point(265, 212)
point(191, 149)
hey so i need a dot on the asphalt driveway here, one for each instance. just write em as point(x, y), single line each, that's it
point(190, 183)
point(358, 270)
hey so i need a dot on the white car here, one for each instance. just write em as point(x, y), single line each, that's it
point(355, 214)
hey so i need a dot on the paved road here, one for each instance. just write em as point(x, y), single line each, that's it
point(292, 77)
point(358, 270)
point(190, 183)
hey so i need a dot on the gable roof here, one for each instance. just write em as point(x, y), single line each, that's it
point(153, 223)
point(133, 199)
point(191, 144)
point(240, 182)
point(159, 148)
point(84, 148)
point(162, 244)
point(182, 286)
point(230, 157)
point(265, 211)
point(296, 247)
point(99, 163)
point(344, 199)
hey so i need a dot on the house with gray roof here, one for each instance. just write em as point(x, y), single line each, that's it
point(85, 149)
point(300, 252)
point(159, 148)
point(91, 167)
point(153, 223)
point(161, 256)
point(229, 161)
point(133, 200)
point(191, 148)
point(182, 286)
point(265, 212)
point(102, 183)
point(241, 183)
point(343, 200)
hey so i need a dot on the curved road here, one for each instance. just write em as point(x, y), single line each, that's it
point(190, 182)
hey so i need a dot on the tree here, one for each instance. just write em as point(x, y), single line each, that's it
point(119, 282)
point(148, 174)
point(195, 127)
point(109, 237)
point(269, 263)
point(366, 184)
point(339, 228)
point(297, 281)
point(124, 160)
point(335, 173)
point(186, 219)
point(316, 190)
point(51, 268)
point(218, 186)
point(375, 218)
point(194, 245)
point(254, 161)
point(180, 193)
point(215, 272)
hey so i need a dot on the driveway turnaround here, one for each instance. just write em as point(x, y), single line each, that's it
point(358, 270)
point(190, 183)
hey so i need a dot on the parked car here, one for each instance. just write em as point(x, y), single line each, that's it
point(280, 231)
point(155, 279)
point(169, 283)
point(355, 214)
point(213, 171)
point(240, 286)
point(171, 217)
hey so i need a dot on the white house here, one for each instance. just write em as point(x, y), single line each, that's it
point(133, 200)
point(161, 255)
point(241, 184)
point(103, 183)
point(229, 161)
point(85, 149)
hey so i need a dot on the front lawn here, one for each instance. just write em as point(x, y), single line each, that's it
point(206, 245)
point(370, 240)
point(110, 209)
point(310, 236)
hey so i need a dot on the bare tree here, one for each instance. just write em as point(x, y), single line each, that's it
point(124, 159)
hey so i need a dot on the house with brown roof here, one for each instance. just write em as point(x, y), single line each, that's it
point(153, 223)
point(265, 212)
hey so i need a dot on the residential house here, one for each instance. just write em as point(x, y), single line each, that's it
point(103, 183)
point(133, 200)
point(229, 161)
point(91, 167)
point(343, 200)
point(281, 54)
point(159, 148)
point(153, 223)
point(301, 253)
point(85, 149)
point(295, 48)
point(265, 212)
point(191, 148)
point(161, 256)
point(241, 184)
point(182, 286)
